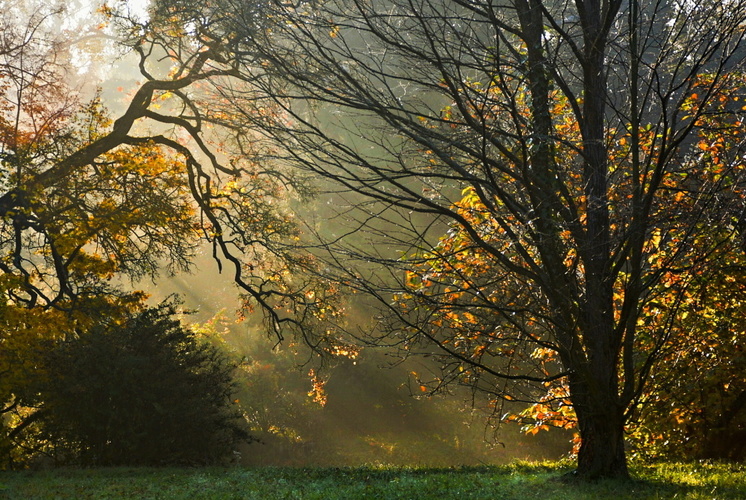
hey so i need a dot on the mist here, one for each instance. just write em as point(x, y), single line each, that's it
point(374, 412)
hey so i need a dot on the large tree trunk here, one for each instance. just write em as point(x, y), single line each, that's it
point(601, 452)
point(594, 384)
point(601, 425)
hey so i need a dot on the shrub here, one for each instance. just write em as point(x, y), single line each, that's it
point(143, 392)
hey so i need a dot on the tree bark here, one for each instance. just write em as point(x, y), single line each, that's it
point(596, 396)
point(601, 452)
point(601, 426)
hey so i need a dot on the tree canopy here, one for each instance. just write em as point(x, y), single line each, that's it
point(133, 195)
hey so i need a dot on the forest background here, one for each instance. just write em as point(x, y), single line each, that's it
point(475, 270)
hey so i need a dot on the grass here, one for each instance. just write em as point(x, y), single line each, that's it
point(521, 480)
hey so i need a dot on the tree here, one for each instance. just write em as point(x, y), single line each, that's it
point(73, 218)
point(692, 405)
point(534, 179)
point(87, 201)
point(136, 194)
point(60, 247)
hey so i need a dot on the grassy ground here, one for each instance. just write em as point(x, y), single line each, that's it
point(517, 481)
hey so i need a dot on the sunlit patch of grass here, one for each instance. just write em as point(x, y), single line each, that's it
point(519, 480)
point(712, 479)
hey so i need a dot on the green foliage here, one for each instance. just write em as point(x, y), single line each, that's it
point(26, 335)
point(146, 391)
point(695, 405)
point(516, 481)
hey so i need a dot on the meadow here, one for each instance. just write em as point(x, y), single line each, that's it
point(520, 480)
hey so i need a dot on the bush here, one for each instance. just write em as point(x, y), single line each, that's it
point(145, 392)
